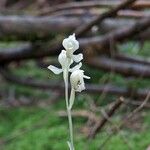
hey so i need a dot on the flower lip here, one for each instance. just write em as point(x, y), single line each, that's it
point(77, 80)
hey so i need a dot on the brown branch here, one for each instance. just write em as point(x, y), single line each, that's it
point(137, 103)
point(113, 12)
point(132, 59)
point(93, 13)
point(2, 4)
point(139, 108)
point(20, 5)
point(34, 28)
point(90, 88)
point(118, 35)
point(96, 43)
point(118, 127)
point(132, 14)
point(122, 67)
point(90, 4)
point(80, 113)
point(103, 121)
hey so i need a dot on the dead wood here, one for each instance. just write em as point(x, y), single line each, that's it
point(126, 14)
point(96, 4)
point(44, 28)
point(103, 121)
point(111, 13)
point(3, 3)
point(90, 88)
point(137, 103)
point(34, 28)
point(137, 60)
point(122, 67)
point(80, 113)
point(119, 35)
point(95, 43)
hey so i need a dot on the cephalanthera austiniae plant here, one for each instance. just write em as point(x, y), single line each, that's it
point(66, 58)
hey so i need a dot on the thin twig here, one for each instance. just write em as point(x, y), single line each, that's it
point(90, 88)
point(80, 113)
point(103, 121)
point(83, 29)
point(88, 4)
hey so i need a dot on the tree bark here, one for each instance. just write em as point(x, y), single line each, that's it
point(90, 88)
point(122, 67)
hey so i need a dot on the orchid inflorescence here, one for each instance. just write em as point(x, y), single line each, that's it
point(66, 59)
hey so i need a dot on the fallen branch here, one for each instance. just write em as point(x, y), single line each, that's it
point(44, 28)
point(93, 13)
point(118, 35)
point(103, 121)
point(122, 67)
point(3, 3)
point(132, 59)
point(137, 103)
point(97, 43)
point(34, 28)
point(80, 113)
point(139, 108)
point(113, 12)
point(96, 4)
point(90, 88)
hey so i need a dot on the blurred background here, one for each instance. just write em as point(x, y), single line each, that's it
point(113, 113)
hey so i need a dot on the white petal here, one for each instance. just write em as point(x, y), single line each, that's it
point(54, 69)
point(78, 58)
point(86, 77)
point(77, 67)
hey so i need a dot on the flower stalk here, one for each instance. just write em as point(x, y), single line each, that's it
point(70, 143)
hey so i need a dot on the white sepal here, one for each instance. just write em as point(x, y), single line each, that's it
point(54, 69)
point(77, 58)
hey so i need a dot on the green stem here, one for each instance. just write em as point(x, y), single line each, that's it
point(68, 110)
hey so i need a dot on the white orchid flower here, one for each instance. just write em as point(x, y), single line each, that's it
point(71, 45)
point(77, 80)
point(66, 59)
point(77, 84)
point(65, 64)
